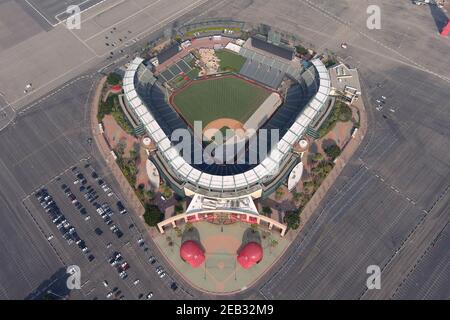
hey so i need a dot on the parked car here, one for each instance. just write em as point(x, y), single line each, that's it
point(125, 266)
point(121, 207)
point(119, 233)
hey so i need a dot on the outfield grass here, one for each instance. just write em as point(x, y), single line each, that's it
point(226, 97)
point(230, 61)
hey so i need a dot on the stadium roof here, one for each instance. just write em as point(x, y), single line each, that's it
point(191, 252)
point(251, 254)
point(266, 168)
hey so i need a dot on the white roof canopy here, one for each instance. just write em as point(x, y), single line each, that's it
point(265, 169)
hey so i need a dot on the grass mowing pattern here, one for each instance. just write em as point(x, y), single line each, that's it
point(226, 97)
point(230, 61)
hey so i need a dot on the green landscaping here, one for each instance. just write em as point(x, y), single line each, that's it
point(114, 79)
point(210, 29)
point(301, 50)
point(230, 61)
point(341, 112)
point(225, 97)
point(153, 215)
point(292, 219)
point(333, 151)
point(111, 106)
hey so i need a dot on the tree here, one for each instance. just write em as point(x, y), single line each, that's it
point(179, 208)
point(267, 211)
point(113, 79)
point(179, 232)
point(105, 108)
point(121, 145)
point(317, 157)
point(296, 195)
point(345, 113)
point(188, 226)
point(323, 168)
point(279, 193)
point(153, 215)
point(166, 191)
point(331, 61)
point(333, 151)
point(292, 219)
point(301, 50)
point(273, 243)
point(309, 186)
point(254, 227)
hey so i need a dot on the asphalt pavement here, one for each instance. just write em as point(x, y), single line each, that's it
point(388, 208)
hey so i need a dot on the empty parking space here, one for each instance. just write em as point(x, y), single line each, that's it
point(54, 11)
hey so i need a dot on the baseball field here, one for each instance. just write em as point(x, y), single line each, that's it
point(211, 99)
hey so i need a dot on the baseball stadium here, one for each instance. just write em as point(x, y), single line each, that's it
point(230, 85)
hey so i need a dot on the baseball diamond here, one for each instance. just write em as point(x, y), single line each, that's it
point(210, 99)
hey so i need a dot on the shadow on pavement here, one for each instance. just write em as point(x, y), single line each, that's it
point(54, 288)
point(439, 16)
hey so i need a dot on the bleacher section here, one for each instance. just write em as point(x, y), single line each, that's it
point(280, 51)
point(303, 103)
point(262, 73)
point(293, 70)
point(182, 66)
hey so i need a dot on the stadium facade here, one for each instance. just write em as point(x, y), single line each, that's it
point(304, 104)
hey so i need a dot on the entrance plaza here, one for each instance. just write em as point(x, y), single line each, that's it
point(220, 273)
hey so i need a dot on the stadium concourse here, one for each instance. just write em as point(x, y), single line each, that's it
point(226, 187)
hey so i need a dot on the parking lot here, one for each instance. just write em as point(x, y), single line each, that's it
point(53, 11)
point(88, 225)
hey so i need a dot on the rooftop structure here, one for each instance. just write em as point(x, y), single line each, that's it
point(278, 50)
point(345, 82)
